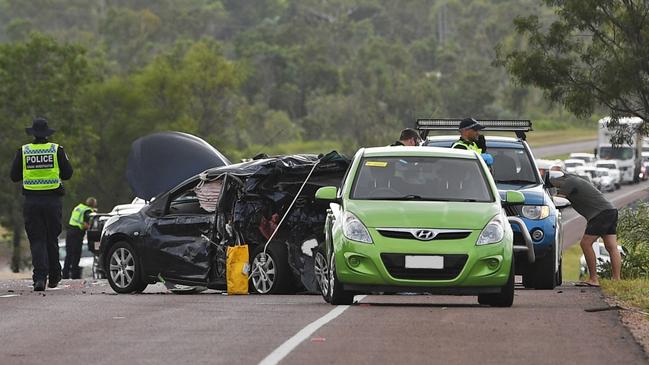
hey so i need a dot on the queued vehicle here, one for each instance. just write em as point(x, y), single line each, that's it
point(606, 182)
point(602, 257)
point(592, 173)
point(417, 219)
point(182, 235)
point(613, 170)
point(514, 169)
point(588, 158)
point(627, 154)
point(572, 165)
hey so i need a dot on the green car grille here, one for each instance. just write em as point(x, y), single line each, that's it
point(395, 264)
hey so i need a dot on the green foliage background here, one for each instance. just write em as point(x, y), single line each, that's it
point(249, 76)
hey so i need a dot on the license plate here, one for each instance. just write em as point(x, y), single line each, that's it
point(424, 262)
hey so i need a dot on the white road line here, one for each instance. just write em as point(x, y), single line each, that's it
point(284, 349)
point(8, 295)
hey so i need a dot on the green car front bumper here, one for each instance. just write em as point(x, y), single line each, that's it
point(468, 269)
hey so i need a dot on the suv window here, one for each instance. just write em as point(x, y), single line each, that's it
point(513, 165)
point(421, 178)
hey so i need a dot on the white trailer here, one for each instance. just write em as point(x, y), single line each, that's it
point(627, 155)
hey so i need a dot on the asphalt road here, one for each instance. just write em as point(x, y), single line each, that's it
point(564, 148)
point(85, 322)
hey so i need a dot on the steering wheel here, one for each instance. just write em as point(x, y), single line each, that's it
point(378, 192)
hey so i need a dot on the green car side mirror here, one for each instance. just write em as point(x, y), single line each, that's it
point(327, 193)
point(514, 197)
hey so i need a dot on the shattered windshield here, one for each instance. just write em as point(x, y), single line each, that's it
point(421, 178)
point(512, 166)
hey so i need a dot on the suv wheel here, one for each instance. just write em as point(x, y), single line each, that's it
point(543, 274)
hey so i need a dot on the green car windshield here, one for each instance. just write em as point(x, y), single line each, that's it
point(421, 178)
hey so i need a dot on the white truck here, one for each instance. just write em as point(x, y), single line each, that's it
point(628, 155)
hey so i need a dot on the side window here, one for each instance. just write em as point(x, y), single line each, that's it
point(185, 202)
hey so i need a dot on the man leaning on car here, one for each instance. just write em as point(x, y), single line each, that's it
point(601, 215)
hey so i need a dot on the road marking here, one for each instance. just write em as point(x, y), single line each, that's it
point(8, 295)
point(284, 349)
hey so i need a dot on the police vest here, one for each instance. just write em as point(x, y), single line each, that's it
point(76, 218)
point(471, 147)
point(40, 166)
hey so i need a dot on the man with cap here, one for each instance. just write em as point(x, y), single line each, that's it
point(41, 165)
point(408, 137)
point(472, 140)
point(470, 137)
point(78, 225)
point(601, 215)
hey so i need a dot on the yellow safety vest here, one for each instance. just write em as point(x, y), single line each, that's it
point(40, 166)
point(76, 218)
point(471, 147)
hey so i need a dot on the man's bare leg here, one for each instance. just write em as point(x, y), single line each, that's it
point(587, 248)
point(610, 242)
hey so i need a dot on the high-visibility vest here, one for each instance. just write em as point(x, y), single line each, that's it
point(76, 218)
point(471, 147)
point(40, 166)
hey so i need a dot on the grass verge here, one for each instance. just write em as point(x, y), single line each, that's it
point(633, 292)
point(570, 263)
point(550, 137)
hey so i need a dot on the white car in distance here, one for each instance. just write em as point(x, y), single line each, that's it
point(613, 170)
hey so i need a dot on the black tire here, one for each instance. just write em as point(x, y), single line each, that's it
point(321, 271)
point(263, 282)
point(506, 296)
point(337, 295)
point(528, 279)
point(123, 268)
point(544, 276)
point(140, 288)
point(559, 274)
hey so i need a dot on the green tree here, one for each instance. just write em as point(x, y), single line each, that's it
point(38, 77)
point(593, 54)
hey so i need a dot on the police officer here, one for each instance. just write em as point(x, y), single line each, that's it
point(78, 225)
point(41, 165)
point(408, 137)
point(472, 140)
point(470, 137)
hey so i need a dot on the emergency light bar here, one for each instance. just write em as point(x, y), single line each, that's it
point(519, 126)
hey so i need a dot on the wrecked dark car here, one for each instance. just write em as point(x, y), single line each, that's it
point(183, 234)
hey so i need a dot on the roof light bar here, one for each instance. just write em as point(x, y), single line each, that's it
point(504, 125)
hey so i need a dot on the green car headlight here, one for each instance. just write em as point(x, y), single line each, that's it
point(354, 229)
point(536, 211)
point(493, 232)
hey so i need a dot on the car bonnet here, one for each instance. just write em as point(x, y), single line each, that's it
point(160, 161)
point(423, 214)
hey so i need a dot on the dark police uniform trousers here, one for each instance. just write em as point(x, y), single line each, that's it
point(73, 246)
point(42, 214)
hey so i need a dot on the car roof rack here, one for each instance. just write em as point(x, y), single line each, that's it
point(518, 126)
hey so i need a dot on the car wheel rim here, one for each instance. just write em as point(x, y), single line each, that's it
point(322, 273)
point(332, 275)
point(263, 273)
point(122, 267)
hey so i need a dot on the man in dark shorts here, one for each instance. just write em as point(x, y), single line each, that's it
point(601, 215)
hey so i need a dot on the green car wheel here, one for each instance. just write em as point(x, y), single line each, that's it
point(506, 296)
point(336, 294)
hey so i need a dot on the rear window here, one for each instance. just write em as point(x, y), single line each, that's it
point(421, 178)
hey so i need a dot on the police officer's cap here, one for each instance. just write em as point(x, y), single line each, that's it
point(470, 123)
point(39, 128)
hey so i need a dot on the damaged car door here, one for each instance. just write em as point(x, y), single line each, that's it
point(180, 239)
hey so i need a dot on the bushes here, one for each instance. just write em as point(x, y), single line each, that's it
point(633, 235)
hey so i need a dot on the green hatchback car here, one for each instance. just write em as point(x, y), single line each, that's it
point(417, 219)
